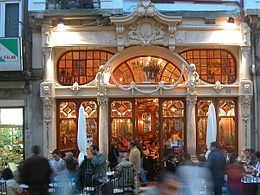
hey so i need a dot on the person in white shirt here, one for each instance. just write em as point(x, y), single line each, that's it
point(12, 186)
point(57, 164)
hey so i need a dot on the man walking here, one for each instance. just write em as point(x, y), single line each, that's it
point(217, 163)
point(36, 173)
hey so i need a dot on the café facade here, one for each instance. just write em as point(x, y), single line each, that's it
point(145, 75)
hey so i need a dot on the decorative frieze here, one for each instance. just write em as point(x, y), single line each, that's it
point(146, 26)
point(146, 31)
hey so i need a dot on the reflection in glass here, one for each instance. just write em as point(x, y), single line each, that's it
point(68, 134)
point(226, 127)
point(122, 132)
point(173, 125)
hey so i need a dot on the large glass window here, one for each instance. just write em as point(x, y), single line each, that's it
point(146, 69)
point(11, 137)
point(173, 125)
point(213, 65)
point(68, 123)
point(226, 110)
point(122, 123)
point(80, 66)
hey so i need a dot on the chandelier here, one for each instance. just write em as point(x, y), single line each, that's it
point(151, 66)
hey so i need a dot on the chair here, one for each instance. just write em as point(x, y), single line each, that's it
point(3, 189)
point(126, 182)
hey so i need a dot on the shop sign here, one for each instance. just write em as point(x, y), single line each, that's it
point(10, 55)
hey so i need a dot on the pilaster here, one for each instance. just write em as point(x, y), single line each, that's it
point(48, 104)
point(48, 64)
point(103, 124)
point(191, 101)
point(246, 93)
point(245, 63)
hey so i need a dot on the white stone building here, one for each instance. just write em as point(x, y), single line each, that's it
point(148, 87)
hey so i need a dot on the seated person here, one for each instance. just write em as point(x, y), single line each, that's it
point(12, 186)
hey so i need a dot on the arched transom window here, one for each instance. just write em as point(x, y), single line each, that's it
point(213, 65)
point(146, 69)
point(80, 66)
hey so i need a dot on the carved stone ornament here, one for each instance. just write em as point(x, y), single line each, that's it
point(102, 100)
point(191, 99)
point(218, 86)
point(145, 25)
point(192, 81)
point(46, 89)
point(245, 30)
point(47, 109)
point(146, 31)
point(245, 105)
point(246, 87)
point(46, 35)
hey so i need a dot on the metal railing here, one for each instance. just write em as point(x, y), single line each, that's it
point(72, 4)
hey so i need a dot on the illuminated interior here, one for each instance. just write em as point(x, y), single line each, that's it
point(213, 65)
point(146, 69)
point(80, 66)
point(226, 124)
point(144, 124)
point(67, 124)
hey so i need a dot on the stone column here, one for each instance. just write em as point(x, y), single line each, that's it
point(48, 64)
point(191, 124)
point(246, 93)
point(245, 63)
point(103, 124)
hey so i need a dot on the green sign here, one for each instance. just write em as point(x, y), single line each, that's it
point(10, 58)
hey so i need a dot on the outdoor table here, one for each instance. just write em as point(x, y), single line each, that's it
point(250, 184)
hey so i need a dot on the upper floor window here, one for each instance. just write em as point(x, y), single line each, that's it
point(213, 65)
point(9, 22)
point(80, 66)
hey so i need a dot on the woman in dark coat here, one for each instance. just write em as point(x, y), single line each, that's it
point(113, 156)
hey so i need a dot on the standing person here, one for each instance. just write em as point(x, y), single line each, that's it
point(12, 186)
point(113, 156)
point(36, 173)
point(217, 163)
point(98, 160)
point(142, 173)
point(135, 156)
point(234, 176)
point(99, 163)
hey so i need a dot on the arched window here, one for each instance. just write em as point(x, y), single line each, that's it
point(146, 69)
point(80, 66)
point(213, 65)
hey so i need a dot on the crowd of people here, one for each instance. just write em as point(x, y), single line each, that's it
point(182, 175)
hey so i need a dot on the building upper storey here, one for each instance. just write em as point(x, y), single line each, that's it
point(126, 6)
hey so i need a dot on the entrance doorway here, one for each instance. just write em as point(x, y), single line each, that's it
point(158, 124)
